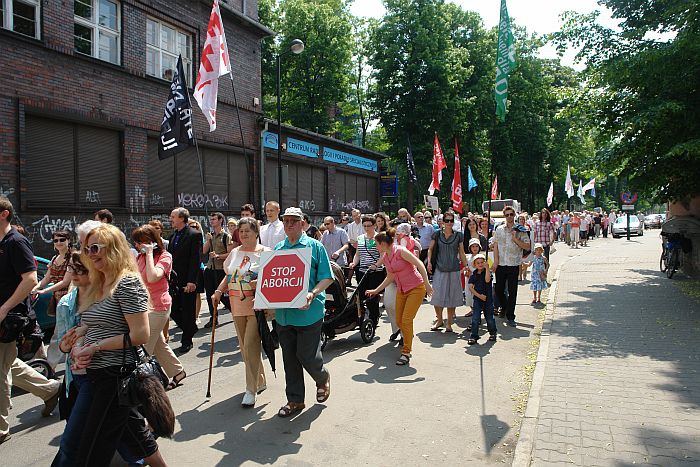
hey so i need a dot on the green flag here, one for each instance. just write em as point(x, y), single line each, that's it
point(505, 62)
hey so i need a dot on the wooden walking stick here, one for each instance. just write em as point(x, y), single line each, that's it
point(211, 348)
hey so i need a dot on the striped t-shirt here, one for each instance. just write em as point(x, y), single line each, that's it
point(369, 254)
point(105, 319)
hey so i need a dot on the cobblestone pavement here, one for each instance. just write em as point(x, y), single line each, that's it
point(621, 379)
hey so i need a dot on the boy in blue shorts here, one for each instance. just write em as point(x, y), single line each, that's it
point(480, 287)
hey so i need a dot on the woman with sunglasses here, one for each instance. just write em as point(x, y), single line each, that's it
point(114, 308)
point(368, 262)
point(241, 267)
point(445, 253)
point(155, 264)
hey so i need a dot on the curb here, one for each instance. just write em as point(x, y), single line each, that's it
point(528, 426)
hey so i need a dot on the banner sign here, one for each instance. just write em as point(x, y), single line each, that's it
point(351, 160)
point(283, 278)
point(297, 146)
point(389, 186)
point(270, 140)
point(176, 128)
point(431, 202)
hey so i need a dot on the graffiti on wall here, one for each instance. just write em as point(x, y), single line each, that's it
point(363, 205)
point(307, 205)
point(92, 196)
point(46, 226)
point(202, 200)
point(6, 192)
point(156, 199)
point(137, 201)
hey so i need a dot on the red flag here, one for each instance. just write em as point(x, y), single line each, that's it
point(438, 165)
point(457, 184)
point(215, 62)
point(494, 188)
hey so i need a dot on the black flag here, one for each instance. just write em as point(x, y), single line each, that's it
point(410, 165)
point(176, 133)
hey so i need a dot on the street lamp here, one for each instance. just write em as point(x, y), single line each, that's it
point(296, 47)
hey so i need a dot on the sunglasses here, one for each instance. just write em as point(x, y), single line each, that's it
point(448, 220)
point(59, 240)
point(78, 271)
point(93, 249)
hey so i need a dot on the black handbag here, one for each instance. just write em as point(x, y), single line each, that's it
point(12, 326)
point(131, 379)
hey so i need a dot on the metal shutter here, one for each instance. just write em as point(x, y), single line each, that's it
point(305, 199)
point(339, 192)
point(50, 169)
point(350, 190)
point(289, 192)
point(370, 193)
point(240, 180)
point(99, 166)
point(271, 192)
point(319, 188)
point(189, 182)
point(216, 179)
point(161, 179)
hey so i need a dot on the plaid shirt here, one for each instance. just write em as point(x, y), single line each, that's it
point(544, 232)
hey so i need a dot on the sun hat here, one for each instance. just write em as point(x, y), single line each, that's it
point(538, 245)
point(403, 228)
point(474, 241)
point(479, 256)
point(293, 212)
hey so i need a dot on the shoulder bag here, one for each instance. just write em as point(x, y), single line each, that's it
point(131, 380)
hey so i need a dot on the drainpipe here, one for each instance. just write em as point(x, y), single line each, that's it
point(262, 166)
point(244, 7)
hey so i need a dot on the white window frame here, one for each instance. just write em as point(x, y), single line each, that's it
point(9, 17)
point(94, 24)
point(186, 61)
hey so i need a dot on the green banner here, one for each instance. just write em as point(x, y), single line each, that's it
point(505, 62)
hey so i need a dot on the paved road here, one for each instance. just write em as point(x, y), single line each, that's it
point(454, 405)
point(621, 377)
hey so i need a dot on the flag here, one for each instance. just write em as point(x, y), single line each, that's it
point(471, 181)
point(457, 183)
point(589, 186)
point(176, 133)
point(569, 185)
point(410, 165)
point(494, 188)
point(550, 194)
point(438, 165)
point(593, 192)
point(505, 62)
point(580, 192)
point(215, 63)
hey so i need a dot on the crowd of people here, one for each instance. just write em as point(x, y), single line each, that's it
point(114, 294)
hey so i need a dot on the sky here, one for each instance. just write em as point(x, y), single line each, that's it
point(541, 16)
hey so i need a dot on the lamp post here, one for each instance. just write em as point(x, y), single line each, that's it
point(295, 47)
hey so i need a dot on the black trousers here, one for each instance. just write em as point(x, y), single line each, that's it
point(183, 312)
point(374, 278)
point(301, 350)
point(351, 255)
point(212, 279)
point(507, 276)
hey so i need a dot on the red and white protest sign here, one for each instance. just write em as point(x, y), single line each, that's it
point(283, 279)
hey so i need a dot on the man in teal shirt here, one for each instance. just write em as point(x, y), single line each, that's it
point(299, 329)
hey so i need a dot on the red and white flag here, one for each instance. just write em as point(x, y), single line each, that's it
point(494, 188)
point(438, 165)
point(550, 194)
point(569, 185)
point(215, 63)
point(457, 184)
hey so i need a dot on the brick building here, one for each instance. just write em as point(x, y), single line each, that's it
point(84, 86)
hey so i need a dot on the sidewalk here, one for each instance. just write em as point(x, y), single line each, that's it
point(618, 373)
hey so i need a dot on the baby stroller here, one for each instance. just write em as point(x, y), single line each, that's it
point(345, 314)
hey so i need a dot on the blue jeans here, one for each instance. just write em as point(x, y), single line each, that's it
point(487, 308)
point(70, 441)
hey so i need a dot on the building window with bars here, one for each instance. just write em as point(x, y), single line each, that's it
point(163, 44)
point(21, 16)
point(97, 29)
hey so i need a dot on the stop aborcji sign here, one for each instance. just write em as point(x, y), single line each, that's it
point(283, 280)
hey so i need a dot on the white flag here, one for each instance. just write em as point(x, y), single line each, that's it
point(569, 185)
point(589, 186)
point(215, 62)
point(550, 194)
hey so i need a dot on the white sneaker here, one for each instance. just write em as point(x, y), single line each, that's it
point(198, 322)
point(248, 399)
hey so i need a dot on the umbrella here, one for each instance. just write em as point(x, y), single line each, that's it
point(268, 338)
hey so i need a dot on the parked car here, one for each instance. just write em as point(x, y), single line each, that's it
point(41, 304)
point(653, 221)
point(619, 228)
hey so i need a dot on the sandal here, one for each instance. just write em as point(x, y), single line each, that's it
point(176, 381)
point(492, 337)
point(437, 326)
point(471, 341)
point(403, 360)
point(290, 408)
point(324, 392)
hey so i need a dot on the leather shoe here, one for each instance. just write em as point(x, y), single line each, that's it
point(184, 348)
point(5, 437)
point(395, 335)
point(50, 404)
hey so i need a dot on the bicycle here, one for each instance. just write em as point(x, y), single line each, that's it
point(670, 260)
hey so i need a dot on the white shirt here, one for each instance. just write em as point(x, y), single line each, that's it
point(271, 234)
point(354, 230)
point(509, 253)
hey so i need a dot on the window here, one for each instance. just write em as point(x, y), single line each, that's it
point(97, 28)
point(21, 16)
point(163, 44)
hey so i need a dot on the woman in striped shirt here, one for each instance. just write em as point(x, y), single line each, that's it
point(115, 304)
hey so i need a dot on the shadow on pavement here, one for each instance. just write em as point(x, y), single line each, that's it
point(383, 368)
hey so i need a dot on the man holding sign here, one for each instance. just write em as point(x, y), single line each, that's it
point(299, 329)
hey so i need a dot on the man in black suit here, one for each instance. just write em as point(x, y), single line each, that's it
point(185, 246)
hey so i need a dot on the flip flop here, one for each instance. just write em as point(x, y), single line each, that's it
point(289, 409)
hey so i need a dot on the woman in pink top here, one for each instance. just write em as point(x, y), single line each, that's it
point(411, 278)
point(155, 264)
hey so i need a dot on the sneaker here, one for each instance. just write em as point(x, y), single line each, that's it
point(198, 322)
point(50, 404)
point(248, 399)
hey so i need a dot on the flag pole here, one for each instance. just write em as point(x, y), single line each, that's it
point(240, 129)
point(199, 156)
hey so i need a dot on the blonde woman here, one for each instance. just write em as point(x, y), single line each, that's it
point(241, 268)
point(115, 305)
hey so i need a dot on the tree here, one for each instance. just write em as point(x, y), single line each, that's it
point(641, 94)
